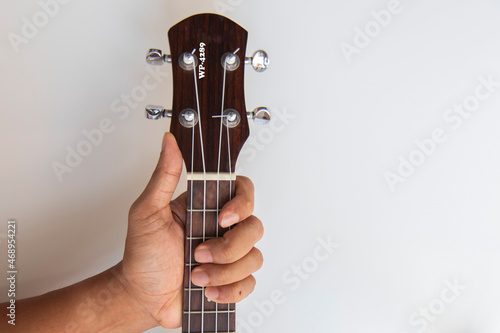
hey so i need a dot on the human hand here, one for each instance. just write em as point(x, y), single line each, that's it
point(153, 263)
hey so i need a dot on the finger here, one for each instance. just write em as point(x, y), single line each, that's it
point(164, 180)
point(241, 206)
point(220, 275)
point(234, 245)
point(232, 293)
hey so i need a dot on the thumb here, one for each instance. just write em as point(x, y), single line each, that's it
point(161, 187)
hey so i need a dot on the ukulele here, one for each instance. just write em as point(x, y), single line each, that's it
point(209, 120)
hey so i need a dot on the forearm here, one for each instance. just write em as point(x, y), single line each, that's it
point(98, 304)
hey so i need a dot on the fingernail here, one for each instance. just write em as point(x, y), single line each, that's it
point(212, 293)
point(164, 142)
point(229, 220)
point(202, 255)
point(199, 278)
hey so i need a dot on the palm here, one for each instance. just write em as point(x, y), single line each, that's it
point(153, 263)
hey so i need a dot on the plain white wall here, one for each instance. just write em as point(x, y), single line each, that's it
point(320, 170)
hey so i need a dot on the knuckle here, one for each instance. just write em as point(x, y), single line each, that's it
point(224, 252)
point(252, 283)
point(244, 288)
point(235, 293)
point(245, 180)
point(258, 258)
point(257, 226)
point(246, 183)
point(222, 277)
point(248, 204)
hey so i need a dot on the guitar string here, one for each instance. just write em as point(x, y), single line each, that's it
point(218, 173)
point(204, 184)
point(190, 230)
point(230, 197)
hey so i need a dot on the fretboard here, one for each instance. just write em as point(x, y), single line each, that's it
point(205, 200)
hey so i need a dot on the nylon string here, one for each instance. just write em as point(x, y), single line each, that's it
point(218, 175)
point(204, 187)
point(191, 231)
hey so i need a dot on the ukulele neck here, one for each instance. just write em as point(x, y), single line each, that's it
point(206, 195)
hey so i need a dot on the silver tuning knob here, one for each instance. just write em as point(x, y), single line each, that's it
point(260, 115)
point(156, 57)
point(157, 112)
point(259, 61)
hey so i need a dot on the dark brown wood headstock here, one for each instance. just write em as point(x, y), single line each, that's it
point(211, 36)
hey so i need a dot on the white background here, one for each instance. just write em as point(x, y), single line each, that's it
point(318, 175)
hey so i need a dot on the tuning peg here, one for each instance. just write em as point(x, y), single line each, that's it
point(260, 115)
point(156, 57)
point(259, 61)
point(157, 112)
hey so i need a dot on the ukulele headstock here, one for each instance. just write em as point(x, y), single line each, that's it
point(208, 116)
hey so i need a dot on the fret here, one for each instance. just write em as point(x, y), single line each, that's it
point(210, 312)
point(196, 289)
point(201, 210)
point(201, 237)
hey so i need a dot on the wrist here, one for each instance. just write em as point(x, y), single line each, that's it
point(130, 314)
